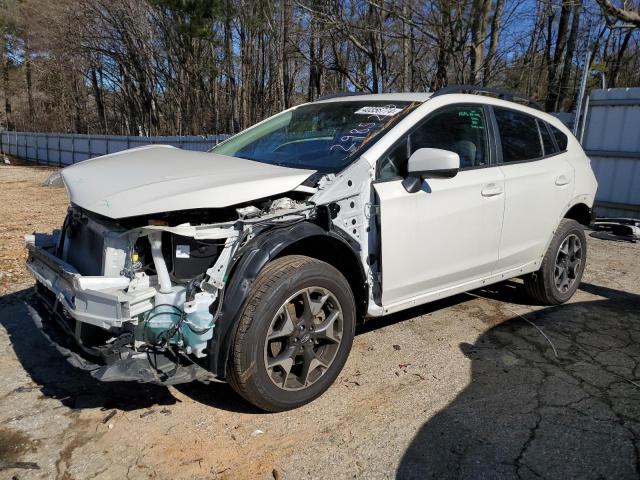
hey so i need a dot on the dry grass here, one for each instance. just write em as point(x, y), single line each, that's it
point(26, 207)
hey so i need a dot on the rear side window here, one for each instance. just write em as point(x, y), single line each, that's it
point(561, 138)
point(547, 141)
point(518, 135)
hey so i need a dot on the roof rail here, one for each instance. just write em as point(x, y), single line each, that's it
point(479, 90)
point(340, 94)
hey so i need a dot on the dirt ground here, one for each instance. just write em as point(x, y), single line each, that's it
point(464, 388)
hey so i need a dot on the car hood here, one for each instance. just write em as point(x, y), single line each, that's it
point(160, 178)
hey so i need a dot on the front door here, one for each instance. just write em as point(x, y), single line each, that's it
point(448, 233)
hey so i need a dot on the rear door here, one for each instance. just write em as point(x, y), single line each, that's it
point(539, 184)
point(447, 233)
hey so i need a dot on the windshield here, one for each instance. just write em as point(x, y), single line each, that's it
point(322, 136)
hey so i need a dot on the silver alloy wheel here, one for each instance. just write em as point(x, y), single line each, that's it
point(568, 261)
point(303, 338)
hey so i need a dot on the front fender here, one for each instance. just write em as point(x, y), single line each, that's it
point(246, 267)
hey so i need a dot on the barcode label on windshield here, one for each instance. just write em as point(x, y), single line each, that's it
point(379, 111)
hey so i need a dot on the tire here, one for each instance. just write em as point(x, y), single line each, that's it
point(545, 286)
point(306, 293)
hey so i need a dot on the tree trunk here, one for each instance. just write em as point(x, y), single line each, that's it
point(406, 50)
point(5, 84)
point(480, 12)
point(555, 65)
point(230, 87)
point(563, 92)
point(615, 69)
point(313, 61)
point(97, 94)
point(493, 41)
point(28, 81)
point(284, 52)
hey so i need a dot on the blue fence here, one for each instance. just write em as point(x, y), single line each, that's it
point(65, 149)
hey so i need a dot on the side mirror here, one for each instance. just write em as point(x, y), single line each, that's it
point(430, 163)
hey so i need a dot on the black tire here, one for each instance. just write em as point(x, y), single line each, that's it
point(277, 282)
point(542, 285)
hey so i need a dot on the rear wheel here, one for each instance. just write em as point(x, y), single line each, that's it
point(561, 270)
point(294, 335)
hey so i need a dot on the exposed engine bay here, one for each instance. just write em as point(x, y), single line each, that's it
point(152, 291)
point(159, 284)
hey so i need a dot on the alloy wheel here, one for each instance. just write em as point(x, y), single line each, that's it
point(568, 261)
point(303, 338)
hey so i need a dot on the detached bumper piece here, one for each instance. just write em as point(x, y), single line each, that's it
point(619, 228)
point(113, 363)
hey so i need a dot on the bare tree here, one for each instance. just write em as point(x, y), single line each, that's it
point(629, 16)
point(146, 67)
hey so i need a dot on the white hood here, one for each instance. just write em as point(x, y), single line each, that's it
point(161, 178)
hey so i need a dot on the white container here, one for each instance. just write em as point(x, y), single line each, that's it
point(197, 328)
point(165, 315)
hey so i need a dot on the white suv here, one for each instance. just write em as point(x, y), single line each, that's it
point(254, 262)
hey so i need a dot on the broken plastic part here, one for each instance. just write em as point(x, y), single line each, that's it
point(248, 212)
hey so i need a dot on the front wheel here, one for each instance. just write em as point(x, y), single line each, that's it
point(562, 267)
point(294, 335)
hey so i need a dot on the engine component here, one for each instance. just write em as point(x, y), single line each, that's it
point(248, 212)
point(165, 315)
point(155, 240)
point(191, 257)
point(197, 328)
point(284, 203)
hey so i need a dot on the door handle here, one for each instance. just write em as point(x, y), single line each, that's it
point(491, 190)
point(562, 180)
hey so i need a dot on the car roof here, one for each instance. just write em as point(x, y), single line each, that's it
point(453, 97)
point(381, 97)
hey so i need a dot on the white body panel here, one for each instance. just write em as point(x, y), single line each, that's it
point(441, 236)
point(537, 194)
point(433, 253)
point(162, 179)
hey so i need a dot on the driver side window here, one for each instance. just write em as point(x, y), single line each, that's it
point(460, 128)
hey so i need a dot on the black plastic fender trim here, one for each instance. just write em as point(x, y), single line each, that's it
point(253, 257)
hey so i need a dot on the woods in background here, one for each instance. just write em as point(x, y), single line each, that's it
point(152, 67)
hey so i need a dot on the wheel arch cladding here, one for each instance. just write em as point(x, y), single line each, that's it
point(303, 238)
point(579, 212)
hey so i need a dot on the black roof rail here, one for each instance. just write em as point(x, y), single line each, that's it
point(340, 94)
point(479, 90)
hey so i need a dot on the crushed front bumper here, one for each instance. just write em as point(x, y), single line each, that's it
point(156, 367)
point(106, 308)
point(64, 304)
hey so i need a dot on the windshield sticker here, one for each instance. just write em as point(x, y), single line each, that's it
point(388, 111)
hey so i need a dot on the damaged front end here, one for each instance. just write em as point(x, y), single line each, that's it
point(138, 298)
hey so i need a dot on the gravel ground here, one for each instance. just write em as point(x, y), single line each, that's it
point(462, 388)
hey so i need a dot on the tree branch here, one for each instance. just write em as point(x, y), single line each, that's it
point(628, 16)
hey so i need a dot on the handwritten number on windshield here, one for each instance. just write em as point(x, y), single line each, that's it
point(359, 133)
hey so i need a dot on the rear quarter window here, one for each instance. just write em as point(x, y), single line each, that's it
point(561, 138)
point(547, 142)
point(519, 135)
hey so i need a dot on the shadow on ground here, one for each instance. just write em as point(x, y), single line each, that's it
point(76, 388)
point(528, 413)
